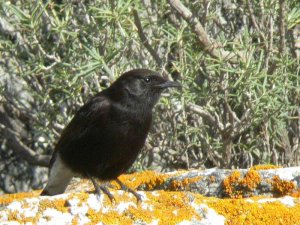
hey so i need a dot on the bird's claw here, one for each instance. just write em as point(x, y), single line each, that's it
point(138, 197)
point(125, 188)
point(107, 192)
point(103, 188)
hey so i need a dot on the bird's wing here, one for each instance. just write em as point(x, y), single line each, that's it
point(95, 111)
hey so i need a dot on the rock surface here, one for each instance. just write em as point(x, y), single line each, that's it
point(171, 198)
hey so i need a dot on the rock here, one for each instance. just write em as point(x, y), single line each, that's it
point(237, 183)
point(168, 198)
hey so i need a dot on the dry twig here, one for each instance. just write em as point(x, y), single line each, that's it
point(23, 150)
point(209, 45)
point(144, 39)
point(282, 26)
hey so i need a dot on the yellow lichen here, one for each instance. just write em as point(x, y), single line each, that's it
point(8, 198)
point(251, 179)
point(110, 217)
point(239, 211)
point(148, 179)
point(58, 204)
point(167, 208)
point(75, 220)
point(296, 193)
point(173, 207)
point(17, 216)
point(230, 183)
point(282, 187)
point(180, 185)
point(265, 167)
point(81, 196)
point(237, 187)
point(212, 179)
point(13, 215)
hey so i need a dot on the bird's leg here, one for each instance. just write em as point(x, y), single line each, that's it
point(99, 188)
point(125, 188)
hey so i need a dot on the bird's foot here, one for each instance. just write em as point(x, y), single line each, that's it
point(104, 188)
point(125, 188)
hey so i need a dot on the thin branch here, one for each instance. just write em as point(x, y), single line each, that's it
point(253, 21)
point(54, 58)
point(212, 120)
point(270, 45)
point(282, 26)
point(234, 118)
point(22, 150)
point(144, 39)
point(237, 126)
point(171, 67)
point(209, 45)
point(243, 124)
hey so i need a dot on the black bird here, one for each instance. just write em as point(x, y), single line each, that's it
point(106, 135)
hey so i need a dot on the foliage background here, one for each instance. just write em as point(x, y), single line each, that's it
point(237, 60)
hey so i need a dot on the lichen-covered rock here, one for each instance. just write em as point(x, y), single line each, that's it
point(157, 207)
point(170, 198)
point(264, 180)
point(259, 180)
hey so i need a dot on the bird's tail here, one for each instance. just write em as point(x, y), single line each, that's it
point(59, 177)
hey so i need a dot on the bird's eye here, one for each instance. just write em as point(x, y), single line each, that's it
point(147, 79)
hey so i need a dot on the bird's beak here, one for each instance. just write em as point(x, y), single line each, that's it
point(168, 84)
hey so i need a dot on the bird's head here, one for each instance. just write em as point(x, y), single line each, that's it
point(143, 85)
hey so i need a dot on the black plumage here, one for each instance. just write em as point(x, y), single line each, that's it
point(106, 135)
